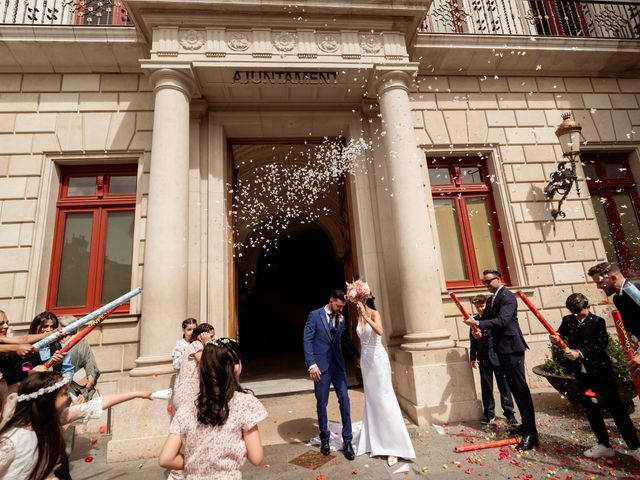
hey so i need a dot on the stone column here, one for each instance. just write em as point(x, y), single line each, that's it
point(421, 301)
point(164, 283)
point(432, 378)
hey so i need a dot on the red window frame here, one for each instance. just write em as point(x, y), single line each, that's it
point(605, 187)
point(460, 193)
point(100, 205)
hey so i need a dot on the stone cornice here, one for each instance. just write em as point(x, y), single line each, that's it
point(460, 54)
point(27, 48)
point(404, 16)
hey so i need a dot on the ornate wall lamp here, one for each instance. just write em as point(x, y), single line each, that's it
point(565, 176)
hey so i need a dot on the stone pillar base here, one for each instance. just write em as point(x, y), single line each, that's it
point(139, 427)
point(435, 386)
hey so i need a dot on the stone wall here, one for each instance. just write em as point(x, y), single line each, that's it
point(512, 120)
point(51, 119)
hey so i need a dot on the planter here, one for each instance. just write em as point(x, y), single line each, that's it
point(566, 386)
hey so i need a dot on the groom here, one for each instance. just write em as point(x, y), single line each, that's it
point(324, 334)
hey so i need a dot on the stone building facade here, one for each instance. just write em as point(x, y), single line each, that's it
point(155, 101)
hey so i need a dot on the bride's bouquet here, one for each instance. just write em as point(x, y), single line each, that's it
point(358, 291)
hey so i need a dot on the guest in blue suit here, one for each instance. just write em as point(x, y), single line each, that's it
point(324, 335)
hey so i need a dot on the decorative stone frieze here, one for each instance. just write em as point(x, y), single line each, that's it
point(215, 43)
point(238, 41)
point(165, 41)
point(328, 42)
point(191, 39)
point(350, 45)
point(284, 41)
point(266, 43)
point(371, 43)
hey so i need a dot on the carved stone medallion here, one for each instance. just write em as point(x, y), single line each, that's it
point(191, 39)
point(328, 43)
point(284, 41)
point(238, 41)
point(371, 43)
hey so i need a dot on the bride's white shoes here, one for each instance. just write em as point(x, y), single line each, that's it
point(391, 460)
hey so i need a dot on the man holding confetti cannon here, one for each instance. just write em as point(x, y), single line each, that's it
point(626, 298)
point(500, 315)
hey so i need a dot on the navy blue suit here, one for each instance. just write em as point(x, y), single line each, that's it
point(501, 316)
point(489, 366)
point(323, 347)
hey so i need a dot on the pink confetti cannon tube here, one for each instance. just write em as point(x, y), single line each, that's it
point(542, 320)
point(481, 446)
point(87, 318)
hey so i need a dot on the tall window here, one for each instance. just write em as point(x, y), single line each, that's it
point(616, 204)
point(93, 239)
point(466, 220)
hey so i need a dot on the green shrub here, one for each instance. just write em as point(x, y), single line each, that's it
point(557, 364)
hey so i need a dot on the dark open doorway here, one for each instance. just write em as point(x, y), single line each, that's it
point(295, 276)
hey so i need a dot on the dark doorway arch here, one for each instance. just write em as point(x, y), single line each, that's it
point(295, 275)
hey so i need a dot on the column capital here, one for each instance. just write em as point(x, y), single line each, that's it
point(394, 77)
point(181, 79)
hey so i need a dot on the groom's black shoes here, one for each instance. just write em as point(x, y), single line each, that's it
point(324, 447)
point(349, 454)
point(527, 442)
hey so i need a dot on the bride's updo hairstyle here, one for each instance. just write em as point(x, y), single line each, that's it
point(218, 380)
point(371, 302)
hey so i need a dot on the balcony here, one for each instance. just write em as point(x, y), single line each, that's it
point(64, 12)
point(561, 18)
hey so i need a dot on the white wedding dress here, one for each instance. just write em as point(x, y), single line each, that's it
point(383, 430)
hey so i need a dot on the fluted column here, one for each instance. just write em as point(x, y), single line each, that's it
point(415, 254)
point(164, 284)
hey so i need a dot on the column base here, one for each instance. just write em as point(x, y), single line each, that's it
point(139, 427)
point(152, 365)
point(431, 340)
point(435, 385)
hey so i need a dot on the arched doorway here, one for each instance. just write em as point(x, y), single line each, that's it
point(293, 277)
point(283, 268)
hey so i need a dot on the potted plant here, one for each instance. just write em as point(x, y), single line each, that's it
point(554, 369)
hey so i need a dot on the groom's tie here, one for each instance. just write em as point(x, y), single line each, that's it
point(332, 323)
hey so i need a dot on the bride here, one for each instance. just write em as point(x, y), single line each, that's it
point(383, 430)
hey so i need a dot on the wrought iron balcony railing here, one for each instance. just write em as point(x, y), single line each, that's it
point(569, 18)
point(64, 12)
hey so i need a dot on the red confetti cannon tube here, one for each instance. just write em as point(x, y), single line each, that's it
point(542, 320)
point(80, 335)
point(626, 344)
point(481, 446)
point(465, 314)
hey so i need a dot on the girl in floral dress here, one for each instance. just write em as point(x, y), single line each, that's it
point(187, 390)
point(215, 436)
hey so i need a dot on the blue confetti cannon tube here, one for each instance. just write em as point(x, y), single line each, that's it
point(87, 318)
point(631, 290)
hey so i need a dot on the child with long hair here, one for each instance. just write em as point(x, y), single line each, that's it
point(215, 436)
point(187, 390)
point(177, 355)
point(31, 441)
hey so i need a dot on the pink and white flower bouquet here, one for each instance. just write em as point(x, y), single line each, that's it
point(358, 291)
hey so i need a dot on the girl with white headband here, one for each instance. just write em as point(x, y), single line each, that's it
point(31, 439)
